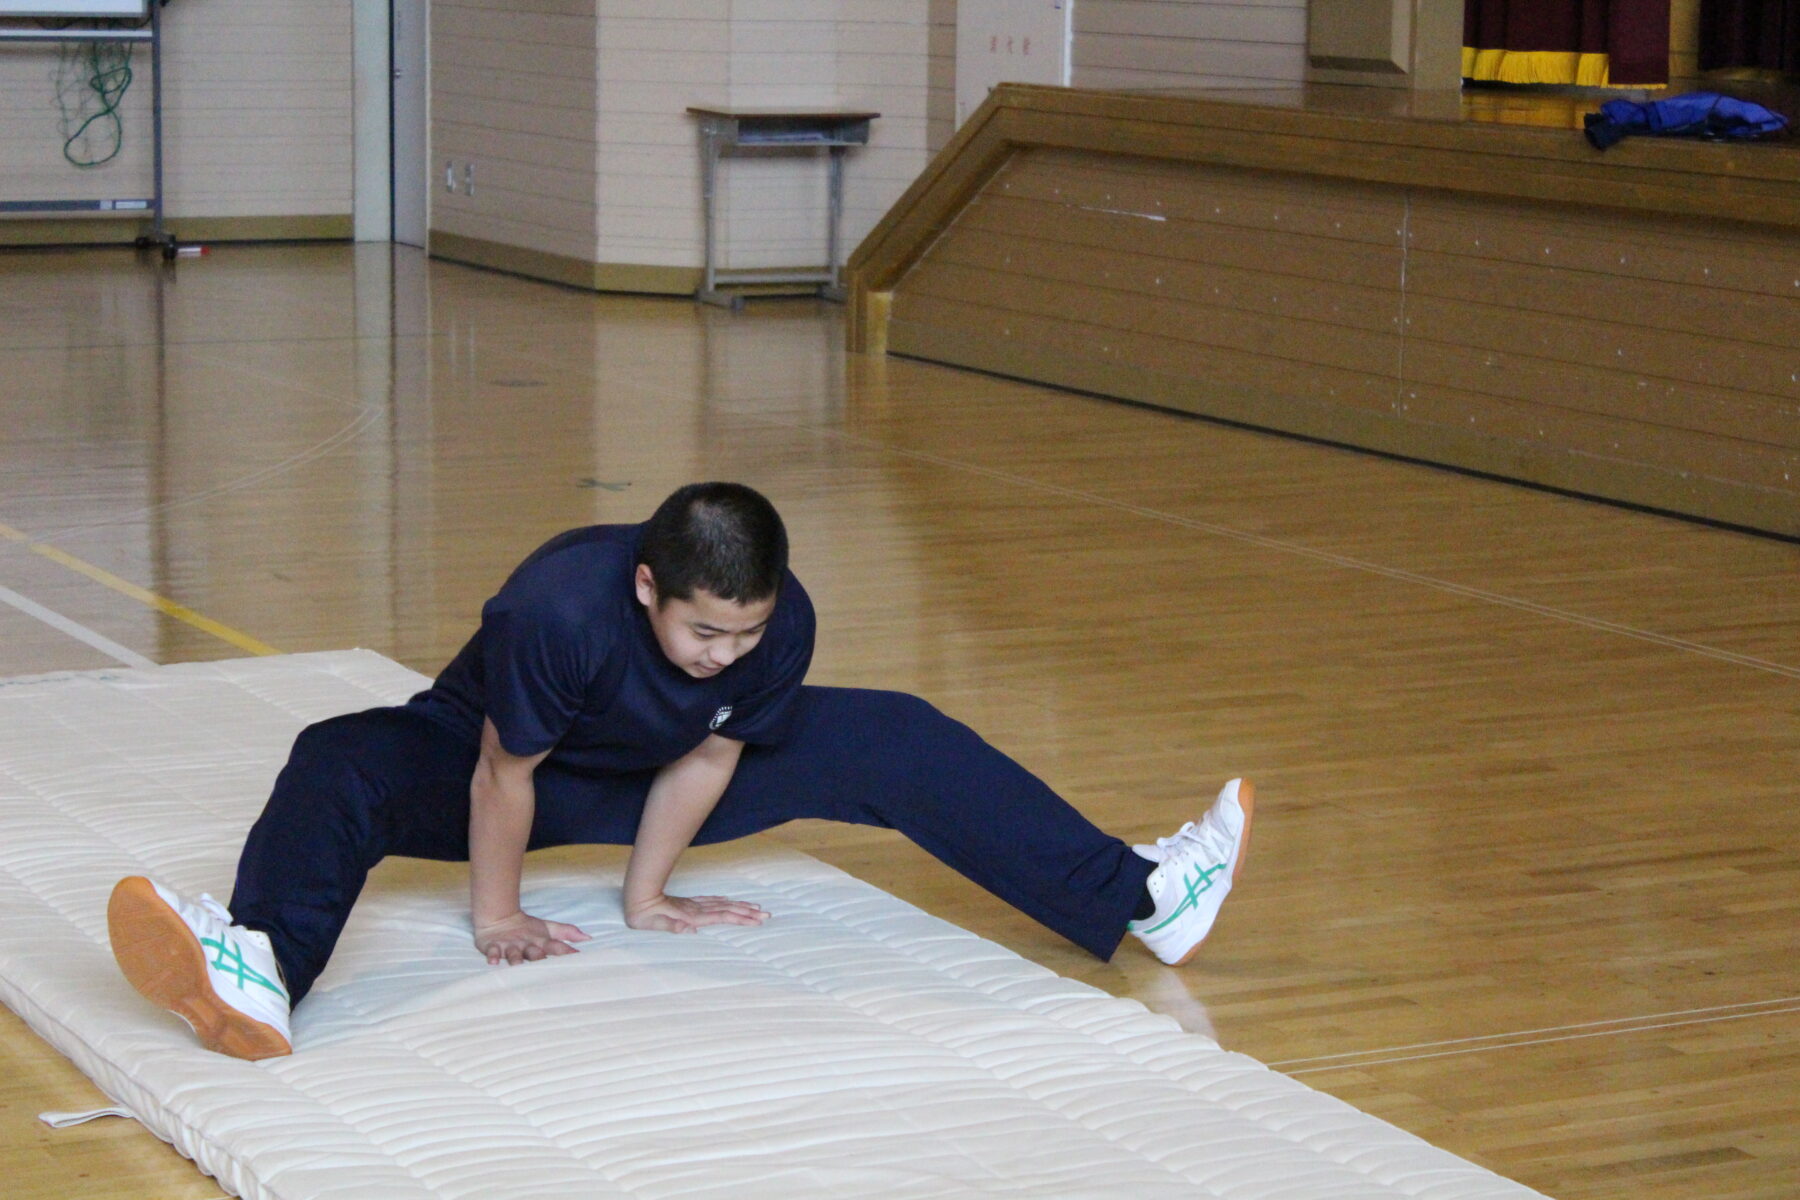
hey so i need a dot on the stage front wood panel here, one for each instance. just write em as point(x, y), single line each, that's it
point(1635, 355)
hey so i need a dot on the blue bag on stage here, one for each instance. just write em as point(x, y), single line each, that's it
point(1696, 114)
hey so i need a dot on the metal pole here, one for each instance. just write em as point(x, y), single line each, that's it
point(832, 289)
point(709, 165)
point(158, 231)
point(715, 132)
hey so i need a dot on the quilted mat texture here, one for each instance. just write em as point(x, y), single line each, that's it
point(851, 1047)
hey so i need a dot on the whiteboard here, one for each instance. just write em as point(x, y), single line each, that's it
point(132, 10)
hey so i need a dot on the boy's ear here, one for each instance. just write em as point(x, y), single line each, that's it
point(645, 584)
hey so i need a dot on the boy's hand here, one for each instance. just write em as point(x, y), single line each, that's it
point(686, 914)
point(525, 938)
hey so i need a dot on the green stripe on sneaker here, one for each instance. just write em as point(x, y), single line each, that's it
point(1197, 884)
point(237, 968)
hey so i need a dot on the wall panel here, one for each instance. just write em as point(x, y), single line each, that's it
point(257, 115)
point(940, 73)
point(1189, 43)
point(513, 92)
point(656, 59)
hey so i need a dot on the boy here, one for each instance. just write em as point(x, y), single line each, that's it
point(641, 685)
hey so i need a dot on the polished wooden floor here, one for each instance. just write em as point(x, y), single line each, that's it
point(1527, 871)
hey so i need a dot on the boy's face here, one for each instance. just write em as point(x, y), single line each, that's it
point(703, 635)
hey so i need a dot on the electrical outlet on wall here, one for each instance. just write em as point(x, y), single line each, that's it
point(459, 177)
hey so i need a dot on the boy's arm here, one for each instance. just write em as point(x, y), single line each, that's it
point(681, 796)
point(502, 801)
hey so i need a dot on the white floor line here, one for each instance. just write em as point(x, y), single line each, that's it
point(74, 629)
point(365, 417)
point(1357, 1065)
point(1324, 556)
point(1525, 1033)
point(347, 433)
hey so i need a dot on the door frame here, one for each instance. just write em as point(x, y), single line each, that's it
point(372, 134)
point(401, 131)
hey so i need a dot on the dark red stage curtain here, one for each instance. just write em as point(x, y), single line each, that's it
point(1750, 33)
point(1621, 42)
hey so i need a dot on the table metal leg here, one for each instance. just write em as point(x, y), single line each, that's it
point(833, 289)
point(709, 292)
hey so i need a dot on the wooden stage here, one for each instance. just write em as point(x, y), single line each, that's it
point(1524, 879)
point(1458, 279)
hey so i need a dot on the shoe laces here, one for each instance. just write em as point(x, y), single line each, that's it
point(215, 908)
point(1207, 836)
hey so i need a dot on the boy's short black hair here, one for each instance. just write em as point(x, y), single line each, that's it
point(723, 538)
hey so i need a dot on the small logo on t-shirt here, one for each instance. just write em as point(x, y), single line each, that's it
point(720, 717)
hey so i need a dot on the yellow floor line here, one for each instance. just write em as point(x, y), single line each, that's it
point(125, 587)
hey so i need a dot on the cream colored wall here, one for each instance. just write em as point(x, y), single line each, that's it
point(940, 74)
point(574, 111)
point(884, 63)
point(513, 93)
point(257, 114)
point(657, 57)
point(1189, 43)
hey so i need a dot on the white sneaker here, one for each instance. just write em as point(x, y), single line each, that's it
point(1199, 864)
point(187, 957)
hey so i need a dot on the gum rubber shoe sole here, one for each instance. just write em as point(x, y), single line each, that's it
point(167, 965)
point(1246, 799)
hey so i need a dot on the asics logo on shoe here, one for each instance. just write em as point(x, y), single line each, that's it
point(1199, 882)
point(229, 961)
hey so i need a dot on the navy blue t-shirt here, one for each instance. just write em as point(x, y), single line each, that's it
point(565, 660)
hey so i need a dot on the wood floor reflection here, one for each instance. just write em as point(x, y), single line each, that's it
point(1527, 871)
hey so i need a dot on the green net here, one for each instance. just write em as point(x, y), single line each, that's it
point(91, 81)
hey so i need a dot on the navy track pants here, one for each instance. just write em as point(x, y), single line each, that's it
point(360, 787)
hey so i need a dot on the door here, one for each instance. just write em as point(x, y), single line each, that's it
point(1009, 41)
point(411, 154)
